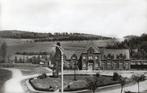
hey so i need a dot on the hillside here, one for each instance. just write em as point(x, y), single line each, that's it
point(23, 46)
point(23, 41)
point(40, 37)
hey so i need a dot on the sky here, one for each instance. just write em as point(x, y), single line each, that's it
point(101, 17)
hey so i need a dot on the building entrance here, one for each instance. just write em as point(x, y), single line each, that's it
point(90, 65)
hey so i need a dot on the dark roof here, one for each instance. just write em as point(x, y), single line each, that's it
point(69, 51)
point(79, 50)
point(116, 52)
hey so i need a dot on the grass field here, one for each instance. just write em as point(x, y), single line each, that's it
point(34, 70)
point(4, 75)
point(21, 45)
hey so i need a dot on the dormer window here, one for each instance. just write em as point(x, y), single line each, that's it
point(84, 57)
point(96, 57)
point(74, 57)
point(90, 58)
point(90, 50)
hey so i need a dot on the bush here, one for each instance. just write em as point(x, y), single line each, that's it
point(142, 77)
point(128, 92)
point(42, 76)
point(97, 74)
point(116, 76)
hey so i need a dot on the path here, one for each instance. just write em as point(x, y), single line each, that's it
point(13, 85)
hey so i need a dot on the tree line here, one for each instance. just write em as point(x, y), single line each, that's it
point(70, 38)
point(32, 53)
point(136, 44)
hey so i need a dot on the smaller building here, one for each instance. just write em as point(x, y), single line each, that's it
point(116, 59)
point(34, 59)
point(138, 64)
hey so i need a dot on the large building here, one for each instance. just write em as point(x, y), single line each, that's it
point(94, 58)
point(105, 59)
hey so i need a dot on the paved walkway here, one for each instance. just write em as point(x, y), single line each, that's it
point(13, 85)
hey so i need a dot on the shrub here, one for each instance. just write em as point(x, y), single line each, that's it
point(116, 76)
point(142, 77)
point(128, 92)
point(97, 74)
point(42, 76)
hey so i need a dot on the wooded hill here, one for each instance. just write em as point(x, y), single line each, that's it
point(15, 34)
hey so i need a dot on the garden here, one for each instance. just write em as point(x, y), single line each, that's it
point(81, 82)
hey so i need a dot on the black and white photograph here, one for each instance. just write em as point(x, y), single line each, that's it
point(73, 46)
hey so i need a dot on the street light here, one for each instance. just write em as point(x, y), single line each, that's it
point(58, 46)
point(74, 58)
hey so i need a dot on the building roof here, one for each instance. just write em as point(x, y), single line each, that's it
point(116, 52)
point(79, 50)
point(69, 51)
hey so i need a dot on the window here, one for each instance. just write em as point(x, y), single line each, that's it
point(96, 57)
point(90, 50)
point(84, 65)
point(90, 58)
point(84, 57)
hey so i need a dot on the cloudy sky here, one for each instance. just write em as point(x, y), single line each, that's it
point(102, 17)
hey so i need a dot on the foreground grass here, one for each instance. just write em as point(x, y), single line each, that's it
point(34, 70)
point(4, 76)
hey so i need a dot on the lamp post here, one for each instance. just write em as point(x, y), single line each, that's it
point(61, 68)
point(75, 70)
point(74, 58)
point(62, 72)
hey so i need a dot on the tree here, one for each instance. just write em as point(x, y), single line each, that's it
point(93, 83)
point(116, 76)
point(4, 51)
point(122, 83)
point(138, 79)
point(16, 60)
point(97, 74)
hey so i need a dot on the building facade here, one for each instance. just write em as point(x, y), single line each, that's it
point(93, 58)
point(90, 60)
point(105, 59)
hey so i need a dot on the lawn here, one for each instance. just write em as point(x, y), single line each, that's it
point(34, 70)
point(4, 76)
point(69, 84)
